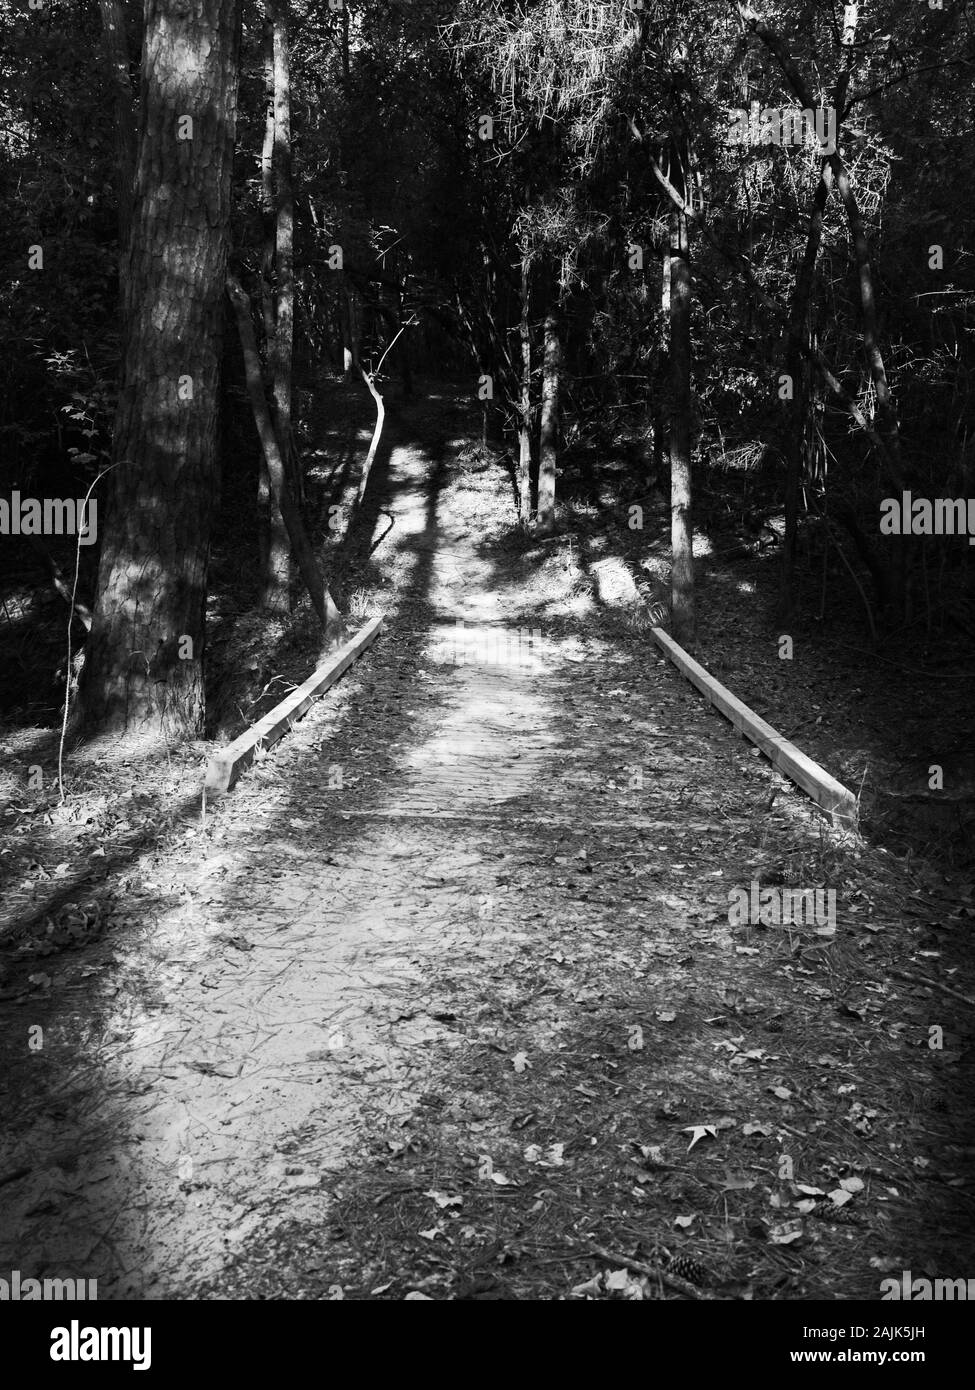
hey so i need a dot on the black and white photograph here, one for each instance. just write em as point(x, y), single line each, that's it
point(487, 673)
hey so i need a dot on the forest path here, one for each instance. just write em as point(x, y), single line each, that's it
point(444, 866)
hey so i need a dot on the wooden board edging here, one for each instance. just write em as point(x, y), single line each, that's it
point(838, 801)
point(226, 765)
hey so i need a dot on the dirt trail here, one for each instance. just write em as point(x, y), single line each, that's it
point(431, 826)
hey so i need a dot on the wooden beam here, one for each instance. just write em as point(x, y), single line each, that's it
point(226, 766)
point(832, 796)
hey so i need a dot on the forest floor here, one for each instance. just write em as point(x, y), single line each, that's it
point(447, 992)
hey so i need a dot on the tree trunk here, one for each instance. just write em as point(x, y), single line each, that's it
point(345, 326)
point(349, 321)
point(524, 424)
point(887, 417)
point(681, 530)
point(322, 601)
point(274, 550)
point(282, 355)
point(887, 422)
point(548, 431)
point(799, 406)
point(405, 363)
point(143, 668)
point(657, 457)
point(374, 444)
point(346, 70)
point(267, 185)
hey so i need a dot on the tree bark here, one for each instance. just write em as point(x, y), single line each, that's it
point(267, 185)
point(548, 431)
point(681, 530)
point(59, 581)
point(282, 355)
point(274, 550)
point(143, 668)
point(377, 431)
point(524, 424)
point(799, 407)
point(349, 320)
point(322, 601)
point(346, 69)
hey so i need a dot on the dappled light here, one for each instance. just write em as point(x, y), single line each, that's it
point(487, 808)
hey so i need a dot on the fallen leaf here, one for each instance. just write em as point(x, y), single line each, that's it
point(653, 1154)
point(592, 1288)
point(739, 1183)
point(699, 1132)
point(787, 1233)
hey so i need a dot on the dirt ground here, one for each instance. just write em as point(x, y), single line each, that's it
point(446, 994)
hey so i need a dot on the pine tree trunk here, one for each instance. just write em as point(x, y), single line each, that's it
point(267, 185)
point(274, 550)
point(797, 372)
point(548, 431)
point(681, 530)
point(143, 668)
point(524, 424)
point(282, 355)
